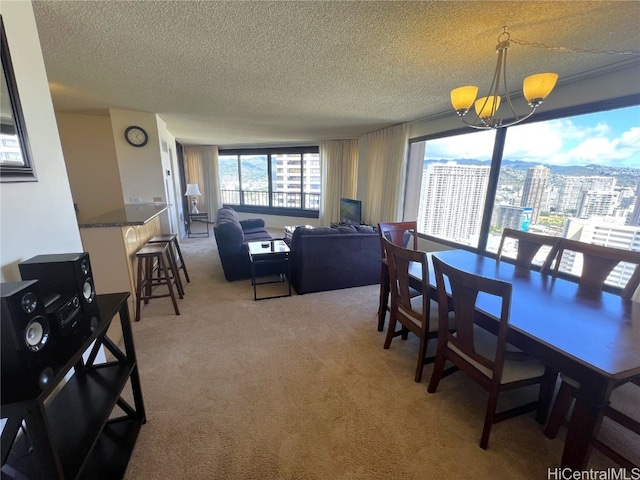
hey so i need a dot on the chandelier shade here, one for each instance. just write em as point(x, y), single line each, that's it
point(486, 107)
point(463, 97)
point(535, 89)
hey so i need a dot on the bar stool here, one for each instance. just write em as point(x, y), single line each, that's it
point(147, 257)
point(172, 263)
point(172, 238)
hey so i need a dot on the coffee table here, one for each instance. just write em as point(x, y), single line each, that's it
point(270, 252)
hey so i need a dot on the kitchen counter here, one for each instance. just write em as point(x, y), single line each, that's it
point(130, 215)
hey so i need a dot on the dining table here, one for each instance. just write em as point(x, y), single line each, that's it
point(593, 337)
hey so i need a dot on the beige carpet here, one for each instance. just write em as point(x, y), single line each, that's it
point(301, 388)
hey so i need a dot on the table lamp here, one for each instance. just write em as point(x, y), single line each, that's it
point(193, 191)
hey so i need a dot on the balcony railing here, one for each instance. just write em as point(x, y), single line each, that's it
point(278, 199)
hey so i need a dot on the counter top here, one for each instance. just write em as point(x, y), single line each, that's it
point(137, 214)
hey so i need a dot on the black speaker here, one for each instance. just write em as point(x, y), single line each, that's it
point(64, 275)
point(29, 355)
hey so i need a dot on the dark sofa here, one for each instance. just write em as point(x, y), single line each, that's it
point(232, 235)
point(332, 258)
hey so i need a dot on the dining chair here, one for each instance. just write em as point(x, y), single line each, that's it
point(529, 245)
point(416, 314)
point(485, 357)
point(398, 233)
point(622, 410)
point(597, 263)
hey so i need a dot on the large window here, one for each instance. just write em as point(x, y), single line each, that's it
point(274, 180)
point(576, 177)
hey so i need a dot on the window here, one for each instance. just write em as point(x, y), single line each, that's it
point(454, 186)
point(575, 177)
point(274, 180)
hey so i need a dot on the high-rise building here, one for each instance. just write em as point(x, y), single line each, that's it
point(594, 202)
point(288, 191)
point(533, 191)
point(509, 216)
point(572, 186)
point(452, 199)
point(597, 231)
point(634, 219)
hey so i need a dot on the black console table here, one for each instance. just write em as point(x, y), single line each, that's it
point(202, 217)
point(82, 428)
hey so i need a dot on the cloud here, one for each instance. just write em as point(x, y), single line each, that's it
point(559, 142)
point(478, 145)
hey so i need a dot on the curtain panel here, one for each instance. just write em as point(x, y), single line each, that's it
point(339, 165)
point(201, 167)
point(385, 152)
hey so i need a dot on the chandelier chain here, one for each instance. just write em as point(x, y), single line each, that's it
point(574, 50)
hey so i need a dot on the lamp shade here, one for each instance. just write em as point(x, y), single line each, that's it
point(192, 190)
point(487, 106)
point(462, 97)
point(537, 87)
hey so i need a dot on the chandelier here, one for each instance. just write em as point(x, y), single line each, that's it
point(535, 89)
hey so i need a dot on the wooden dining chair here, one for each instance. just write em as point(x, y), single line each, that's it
point(623, 409)
point(416, 314)
point(485, 357)
point(597, 264)
point(398, 233)
point(529, 244)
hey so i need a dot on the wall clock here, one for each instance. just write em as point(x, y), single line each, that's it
point(136, 136)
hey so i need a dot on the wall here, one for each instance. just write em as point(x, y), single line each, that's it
point(35, 217)
point(92, 165)
point(141, 173)
point(171, 171)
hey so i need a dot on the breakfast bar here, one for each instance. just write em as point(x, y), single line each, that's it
point(112, 240)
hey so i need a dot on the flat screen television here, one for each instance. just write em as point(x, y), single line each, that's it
point(350, 211)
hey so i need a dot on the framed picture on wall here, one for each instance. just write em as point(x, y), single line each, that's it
point(16, 163)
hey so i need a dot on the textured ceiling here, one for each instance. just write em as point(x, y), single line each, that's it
point(267, 72)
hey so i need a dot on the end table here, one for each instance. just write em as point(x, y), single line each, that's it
point(202, 217)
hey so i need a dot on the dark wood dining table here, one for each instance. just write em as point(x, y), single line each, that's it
point(593, 338)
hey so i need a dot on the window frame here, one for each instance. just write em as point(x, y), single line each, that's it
point(496, 159)
point(268, 152)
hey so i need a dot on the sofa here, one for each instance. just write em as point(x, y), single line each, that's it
point(333, 258)
point(232, 235)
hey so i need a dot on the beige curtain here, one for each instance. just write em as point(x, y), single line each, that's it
point(212, 179)
point(414, 181)
point(339, 164)
point(385, 154)
point(201, 167)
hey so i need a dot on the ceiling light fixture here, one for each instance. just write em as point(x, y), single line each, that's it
point(535, 89)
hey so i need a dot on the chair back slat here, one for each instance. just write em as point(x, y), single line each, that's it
point(398, 233)
point(529, 244)
point(598, 262)
point(399, 260)
point(464, 290)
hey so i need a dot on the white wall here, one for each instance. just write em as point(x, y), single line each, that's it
point(35, 217)
point(141, 172)
point(171, 174)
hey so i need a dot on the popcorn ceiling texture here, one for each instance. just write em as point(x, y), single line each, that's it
point(301, 388)
point(246, 72)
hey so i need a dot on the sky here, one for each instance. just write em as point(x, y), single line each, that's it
point(609, 138)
